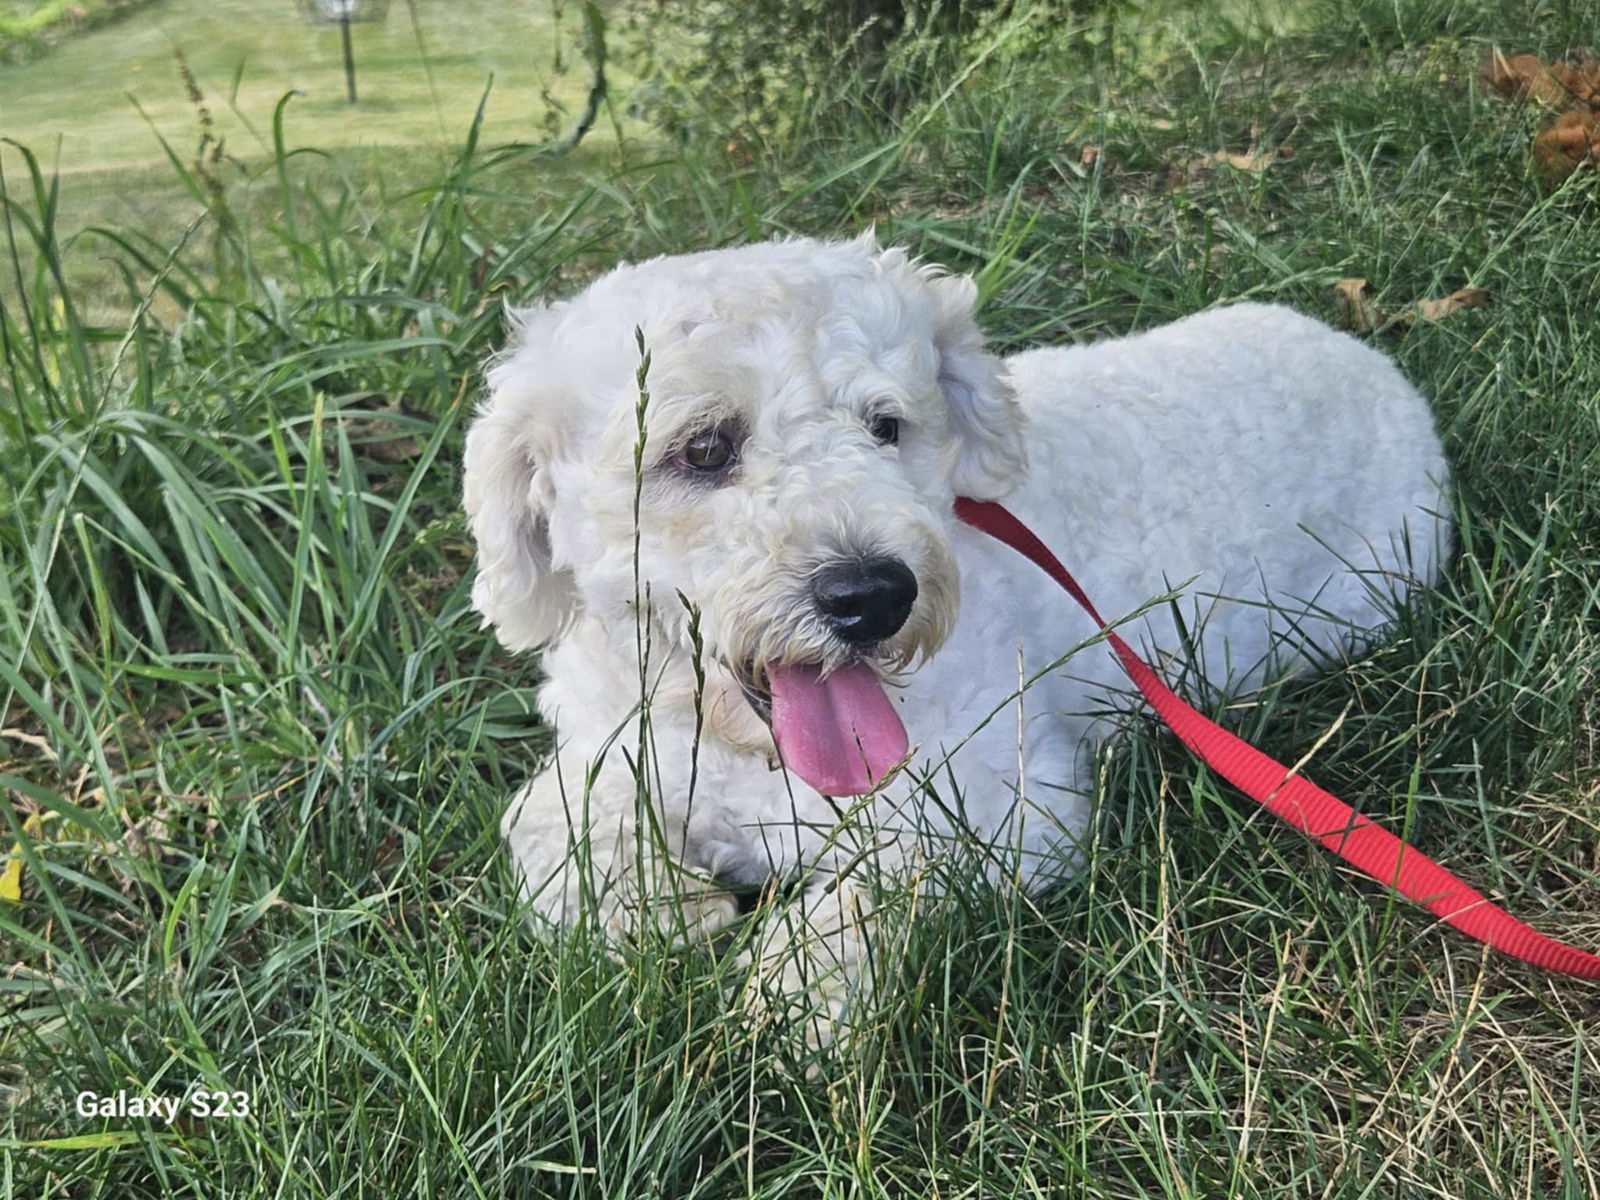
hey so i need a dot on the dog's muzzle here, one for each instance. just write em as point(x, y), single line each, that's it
point(835, 727)
point(863, 601)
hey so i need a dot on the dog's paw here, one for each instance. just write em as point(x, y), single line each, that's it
point(807, 970)
point(705, 915)
point(803, 1020)
point(796, 1002)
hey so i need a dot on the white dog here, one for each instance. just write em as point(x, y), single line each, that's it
point(758, 543)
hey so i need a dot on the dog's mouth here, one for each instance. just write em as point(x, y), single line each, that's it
point(837, 730)
point(753, 683)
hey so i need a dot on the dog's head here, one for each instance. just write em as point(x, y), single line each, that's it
point(808, 413)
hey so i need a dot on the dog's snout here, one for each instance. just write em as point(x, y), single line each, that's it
point(865, 600)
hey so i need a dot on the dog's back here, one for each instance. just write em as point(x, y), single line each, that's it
point(1253, 451)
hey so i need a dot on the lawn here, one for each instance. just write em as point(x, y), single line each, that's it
point(29, 28)
point(205, 77)
point(420, 73)
point(256, 745)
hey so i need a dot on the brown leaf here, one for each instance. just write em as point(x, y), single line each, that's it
point(1571, 140)
point(1256, 160)
point(1358, 313)
point(1570, 89)
point(1573, 82)
point(1579, 73)
point(1518, 77)
point(1463, 298)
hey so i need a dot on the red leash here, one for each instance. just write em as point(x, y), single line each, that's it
point(1297, 800)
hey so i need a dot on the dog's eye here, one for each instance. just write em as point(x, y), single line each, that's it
point(709, 452)
point(886, 430)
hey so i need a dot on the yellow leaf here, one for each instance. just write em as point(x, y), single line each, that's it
point(11, 877)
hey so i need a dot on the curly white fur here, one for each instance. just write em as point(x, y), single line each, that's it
point(1282, 476)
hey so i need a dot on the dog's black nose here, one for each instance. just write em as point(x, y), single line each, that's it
point(865, 599)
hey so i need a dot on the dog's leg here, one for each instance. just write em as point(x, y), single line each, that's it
point(585, 852)
point(813, 961)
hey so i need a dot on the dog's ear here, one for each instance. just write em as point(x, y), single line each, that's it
point(508, 497)
point(984, 413)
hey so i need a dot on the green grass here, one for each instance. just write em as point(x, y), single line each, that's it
point(419, 74)
point(106, 108)
point(29, 28)
point(256, 746)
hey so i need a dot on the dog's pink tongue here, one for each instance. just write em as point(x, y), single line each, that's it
point(839, 734)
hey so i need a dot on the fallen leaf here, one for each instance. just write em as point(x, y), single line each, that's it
point(1571, 140)
point(1256, 161)
point(1360, 314)
point(1357, 312)
point(1463, 298)
point(1522, 77)
point(11, 875)
point(1569, 89)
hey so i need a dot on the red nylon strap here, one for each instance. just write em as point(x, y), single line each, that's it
point(1296, 799)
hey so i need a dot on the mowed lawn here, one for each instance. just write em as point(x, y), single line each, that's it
point(420, 73)
point(97, 108)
